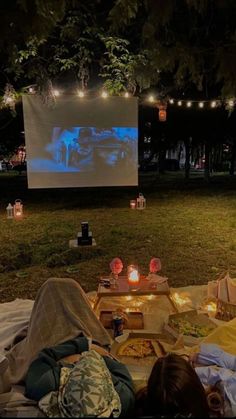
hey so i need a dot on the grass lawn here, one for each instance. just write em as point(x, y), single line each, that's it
point(191, 227)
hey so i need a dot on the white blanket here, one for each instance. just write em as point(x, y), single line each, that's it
point(14, 316)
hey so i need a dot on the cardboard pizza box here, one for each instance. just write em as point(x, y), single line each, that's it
point(139, 361)
point(196, 326)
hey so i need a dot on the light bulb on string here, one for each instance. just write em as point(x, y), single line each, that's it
point(213, 104)
point(201, 105)
point(151, 98)
point(104, 95)
point(126, 94)
point(80, 93)
point(56, 92)
point(231, 103)
point(189, 104)
point(180, 103)
point(171, 101)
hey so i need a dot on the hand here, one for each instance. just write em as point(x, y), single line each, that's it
point(71, 359)
point(102, 351)
point(99, 350)
point(193, 359)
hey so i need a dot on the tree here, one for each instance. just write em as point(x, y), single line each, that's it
point(194, 40)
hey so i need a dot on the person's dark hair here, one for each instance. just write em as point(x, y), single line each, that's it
point(173, 388)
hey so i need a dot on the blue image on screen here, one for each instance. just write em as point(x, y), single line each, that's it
point(86, 149)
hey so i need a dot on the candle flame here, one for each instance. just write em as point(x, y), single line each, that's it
point(134, 276)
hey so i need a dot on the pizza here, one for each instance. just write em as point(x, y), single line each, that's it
point(138, 348)
point(187, 328)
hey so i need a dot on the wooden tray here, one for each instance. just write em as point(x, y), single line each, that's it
point(194, 318)
point(134, 320)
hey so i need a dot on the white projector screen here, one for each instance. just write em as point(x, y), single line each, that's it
point(81, 142)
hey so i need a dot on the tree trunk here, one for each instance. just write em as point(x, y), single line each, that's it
point(187, 158)
point(207, 162)
point(233, 157)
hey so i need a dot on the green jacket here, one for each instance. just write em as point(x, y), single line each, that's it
point(44, 373)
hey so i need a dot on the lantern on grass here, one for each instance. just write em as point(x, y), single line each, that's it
point(133, 276)
point(18, 209)
point(132, 204)
point(141, 202)
point(9, 209)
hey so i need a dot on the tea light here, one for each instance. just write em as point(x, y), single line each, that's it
point(211, 308)
point(18, 209)
point(132, 204)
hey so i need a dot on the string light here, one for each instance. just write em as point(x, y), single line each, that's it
point(104, 95)
point(10, 98)
point(151, 98)
point(56, 92)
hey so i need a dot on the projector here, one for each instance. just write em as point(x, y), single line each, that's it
point(85, 237)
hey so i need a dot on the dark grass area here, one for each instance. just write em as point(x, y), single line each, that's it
point(190, 225)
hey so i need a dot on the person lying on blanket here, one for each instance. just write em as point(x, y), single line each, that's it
point(79, 376)
point(176, 385)
point(173, 390)
point(64, 360)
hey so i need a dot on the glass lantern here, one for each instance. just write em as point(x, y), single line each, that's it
point(133, 277)
point(9, 209)
point(141, 202)
point(18, 209)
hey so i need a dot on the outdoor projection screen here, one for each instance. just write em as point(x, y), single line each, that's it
point(81, 142)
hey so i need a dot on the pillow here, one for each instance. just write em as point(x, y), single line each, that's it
point(85, 390)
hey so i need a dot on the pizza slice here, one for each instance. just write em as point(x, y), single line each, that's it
point(137, 347)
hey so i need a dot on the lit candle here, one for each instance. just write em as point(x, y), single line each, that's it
point(132, 204)
point(211, 308)
point(18, 209)
point(133, 275)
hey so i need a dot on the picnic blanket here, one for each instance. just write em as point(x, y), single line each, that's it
point(61, 311)
point(14, 317)
point(14, 404)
